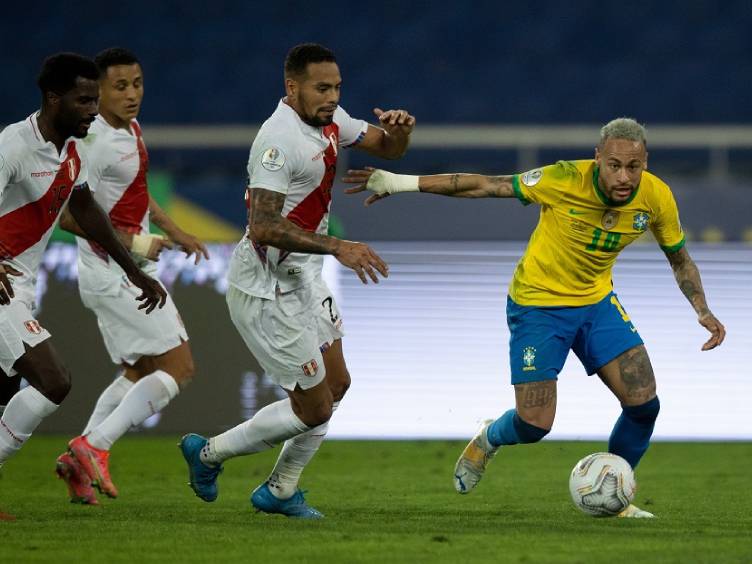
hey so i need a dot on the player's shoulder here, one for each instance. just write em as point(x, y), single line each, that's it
point(341, 114)
point(654, 188)
point(564, 172)
point(14, 144)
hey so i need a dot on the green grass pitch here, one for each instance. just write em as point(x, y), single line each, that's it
point(384, 502)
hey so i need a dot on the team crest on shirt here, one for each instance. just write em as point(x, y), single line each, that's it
point(640, 221)
point(310, 368)
point(532, 177)
point(273, 159)
point(528, 359)
point(72, 173)
point(33, 327)
point(610, 219)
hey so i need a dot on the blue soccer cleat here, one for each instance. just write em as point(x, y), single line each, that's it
point(263, 500)
point(203, 478)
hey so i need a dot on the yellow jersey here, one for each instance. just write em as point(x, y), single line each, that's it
point(580, 232)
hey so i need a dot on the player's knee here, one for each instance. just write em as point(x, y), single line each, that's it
point(643, 413)
point(340, 387)
point(527, 432)
point(185, 373)
point(318, 414)
point(56, 384)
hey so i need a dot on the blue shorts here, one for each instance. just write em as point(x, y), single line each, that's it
point(541, 337)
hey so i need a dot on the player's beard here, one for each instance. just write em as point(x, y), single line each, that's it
point(71, 127)
point(316, 121)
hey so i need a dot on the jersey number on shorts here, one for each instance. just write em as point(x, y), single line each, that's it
point(618, 306)
point(328, 301)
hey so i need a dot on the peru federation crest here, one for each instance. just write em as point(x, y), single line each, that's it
point(640, 221)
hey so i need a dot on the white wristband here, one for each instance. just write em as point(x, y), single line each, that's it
point(142, 243)
point(383, 182)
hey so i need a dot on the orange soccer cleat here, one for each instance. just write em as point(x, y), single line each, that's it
point(6, 516)
point(69, 470)
point(95, 464)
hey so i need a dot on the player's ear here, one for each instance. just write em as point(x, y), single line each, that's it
point(51, 98)
point(291, 87)
point(597, 153)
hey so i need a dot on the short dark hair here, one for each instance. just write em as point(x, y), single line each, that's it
point(300, 56)
point(115, 56)
point(59, 72)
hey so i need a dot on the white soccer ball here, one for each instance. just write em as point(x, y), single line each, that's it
point(602, 484)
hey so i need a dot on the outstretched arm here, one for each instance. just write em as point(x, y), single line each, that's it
point(389, 141)
point(459, 185)
point(95, 225)
point(188, 243)
point(267, 226)
point(688, 278)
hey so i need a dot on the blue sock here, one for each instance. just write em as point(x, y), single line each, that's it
point(631, 435)
point(510, 429)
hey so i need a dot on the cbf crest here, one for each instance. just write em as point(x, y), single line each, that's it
point(528, 359)
point(640, 221)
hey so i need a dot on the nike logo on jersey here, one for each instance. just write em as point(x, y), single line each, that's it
point(573, 211)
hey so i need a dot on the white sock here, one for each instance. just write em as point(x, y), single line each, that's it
point(108, 401)
point(145, 398)
point(22, 415)
point(296, 453)
point(270, 426)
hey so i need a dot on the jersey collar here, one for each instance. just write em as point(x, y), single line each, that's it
point(605, 199)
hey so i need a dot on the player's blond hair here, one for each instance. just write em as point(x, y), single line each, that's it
point(623, 128)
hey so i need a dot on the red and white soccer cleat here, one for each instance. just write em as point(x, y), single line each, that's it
point(95, 464)
point(69, 470)
point(6, 516)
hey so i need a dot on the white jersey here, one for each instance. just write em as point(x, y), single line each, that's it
point(35, 183)
point(118, 162)
point(296, 159)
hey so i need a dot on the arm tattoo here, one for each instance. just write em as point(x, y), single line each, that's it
point(268, 227)
point(637, 373)
point(688, 278)
point(538, 394)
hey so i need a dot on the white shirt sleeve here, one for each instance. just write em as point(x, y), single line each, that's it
point(351, 130)
point(94, 155)
point(7, 170)
point(271, 164)
point(83, 174)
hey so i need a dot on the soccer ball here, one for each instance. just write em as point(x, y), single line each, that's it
point(602, 484)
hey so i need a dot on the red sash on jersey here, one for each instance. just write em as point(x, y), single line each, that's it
point(308, 214)
point(129, 211)
point(25, 226)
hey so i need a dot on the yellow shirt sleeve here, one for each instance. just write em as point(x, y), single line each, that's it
point(666, 227)
point(546, 185)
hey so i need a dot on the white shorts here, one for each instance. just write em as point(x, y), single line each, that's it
point(18, 326)
point(288, 334)
point(128, 332)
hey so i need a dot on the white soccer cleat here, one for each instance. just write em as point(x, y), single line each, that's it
point(473, 461)
point(634, 512)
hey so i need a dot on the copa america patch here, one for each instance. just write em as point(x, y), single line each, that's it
point(273, 159)
point(33, 327)
point(310, 368)
point(532, 177)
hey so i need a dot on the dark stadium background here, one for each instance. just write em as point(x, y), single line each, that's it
point(683, 68)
